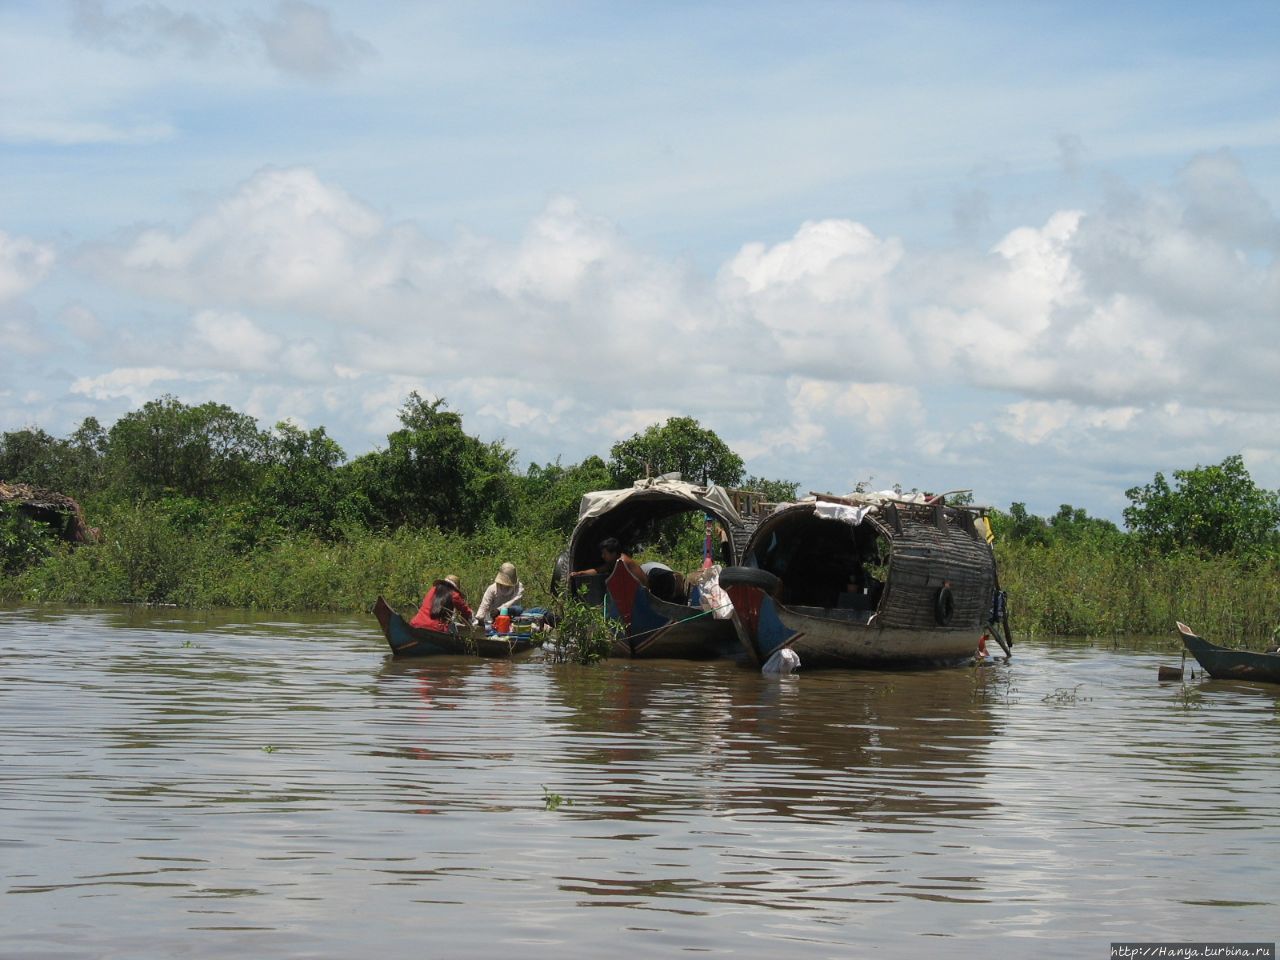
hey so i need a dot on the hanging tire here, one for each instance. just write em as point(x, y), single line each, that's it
point(560, 574)
point(944, 607)
point(749, 577)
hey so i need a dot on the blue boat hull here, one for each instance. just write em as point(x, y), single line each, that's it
point(409, 641)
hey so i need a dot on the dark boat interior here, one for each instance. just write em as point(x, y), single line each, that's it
point(822, 563)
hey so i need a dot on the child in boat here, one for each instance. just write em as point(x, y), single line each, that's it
point(443, 600)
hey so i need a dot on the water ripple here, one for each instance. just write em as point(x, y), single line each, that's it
point(203, 784)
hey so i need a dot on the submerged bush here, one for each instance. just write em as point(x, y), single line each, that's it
point(585, 634)
point(23, 541)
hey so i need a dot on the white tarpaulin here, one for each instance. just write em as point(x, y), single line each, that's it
point(857, 506)
point(710, 499)
point(840, 511)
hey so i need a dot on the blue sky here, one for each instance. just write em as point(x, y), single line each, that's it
point(1029, 249)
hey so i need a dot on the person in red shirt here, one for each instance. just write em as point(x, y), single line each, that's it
point(443, 600)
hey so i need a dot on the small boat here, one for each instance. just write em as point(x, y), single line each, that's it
point(657, 628)
point(1222, 663)
point(664, 618)
point(409, 641)
point(867, 580)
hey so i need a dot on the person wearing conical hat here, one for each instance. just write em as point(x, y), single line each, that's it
point(505, 591)
point(443, 600)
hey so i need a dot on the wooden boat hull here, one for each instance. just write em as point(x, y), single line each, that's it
point(663, 630)
point(409, 641)
point(841, 638)
point(1222, 663)
point(652, 628)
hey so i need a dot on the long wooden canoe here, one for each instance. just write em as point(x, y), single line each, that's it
point(408, 641)
point(1222, 663)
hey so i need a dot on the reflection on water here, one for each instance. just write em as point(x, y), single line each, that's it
point(191, 785)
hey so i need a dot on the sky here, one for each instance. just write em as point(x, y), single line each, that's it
point(1027, 249)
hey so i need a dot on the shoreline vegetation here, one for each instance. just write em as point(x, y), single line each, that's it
point(196, 507)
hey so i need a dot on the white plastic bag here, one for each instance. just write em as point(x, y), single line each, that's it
point(783, 663)
point(711, 595)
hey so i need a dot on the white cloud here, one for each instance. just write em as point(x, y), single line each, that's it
point(20, 335)
point(558, 254)
point(233, 341)
point(83, 323)
point(1078, 308)
point(822, 303)
point(1221, 202)
point(133, 383)
point(1064, 336)
point(830, 260)
point(23, 264)
point(283, 237)
point(1133, 303)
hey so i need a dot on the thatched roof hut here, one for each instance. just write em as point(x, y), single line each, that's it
point(58, 510)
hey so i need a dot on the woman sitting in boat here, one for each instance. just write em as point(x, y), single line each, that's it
point(505, 591)
point(610, 554)
point(442, 602)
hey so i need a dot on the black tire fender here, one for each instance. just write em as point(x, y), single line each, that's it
point(560, 574)
point(749, 577)
point(944, 606)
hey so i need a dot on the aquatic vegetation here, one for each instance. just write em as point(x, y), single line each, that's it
point(584, 634)
point(1088, 589)
point(553, 801)
point(1188, 698)
point(1065, 696)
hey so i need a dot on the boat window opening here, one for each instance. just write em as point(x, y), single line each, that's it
point(676, 540)
point(827, 563)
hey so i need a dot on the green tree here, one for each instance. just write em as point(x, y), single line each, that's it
point(551, 494)
point(301, 487)
point(434, 474)
point(680, 445)
point(775, 491)
point(86, 451)
point(1074, 523)
point(1019, 525)
point(210, 451)
point(70, 466)
point(1211, 510)
point(31, 456)
point(1069, 524)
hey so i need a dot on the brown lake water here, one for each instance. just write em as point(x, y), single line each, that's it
point(185, 785)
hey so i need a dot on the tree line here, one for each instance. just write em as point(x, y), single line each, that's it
point(209, 459)
point(206, 466)
point(200, 505)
